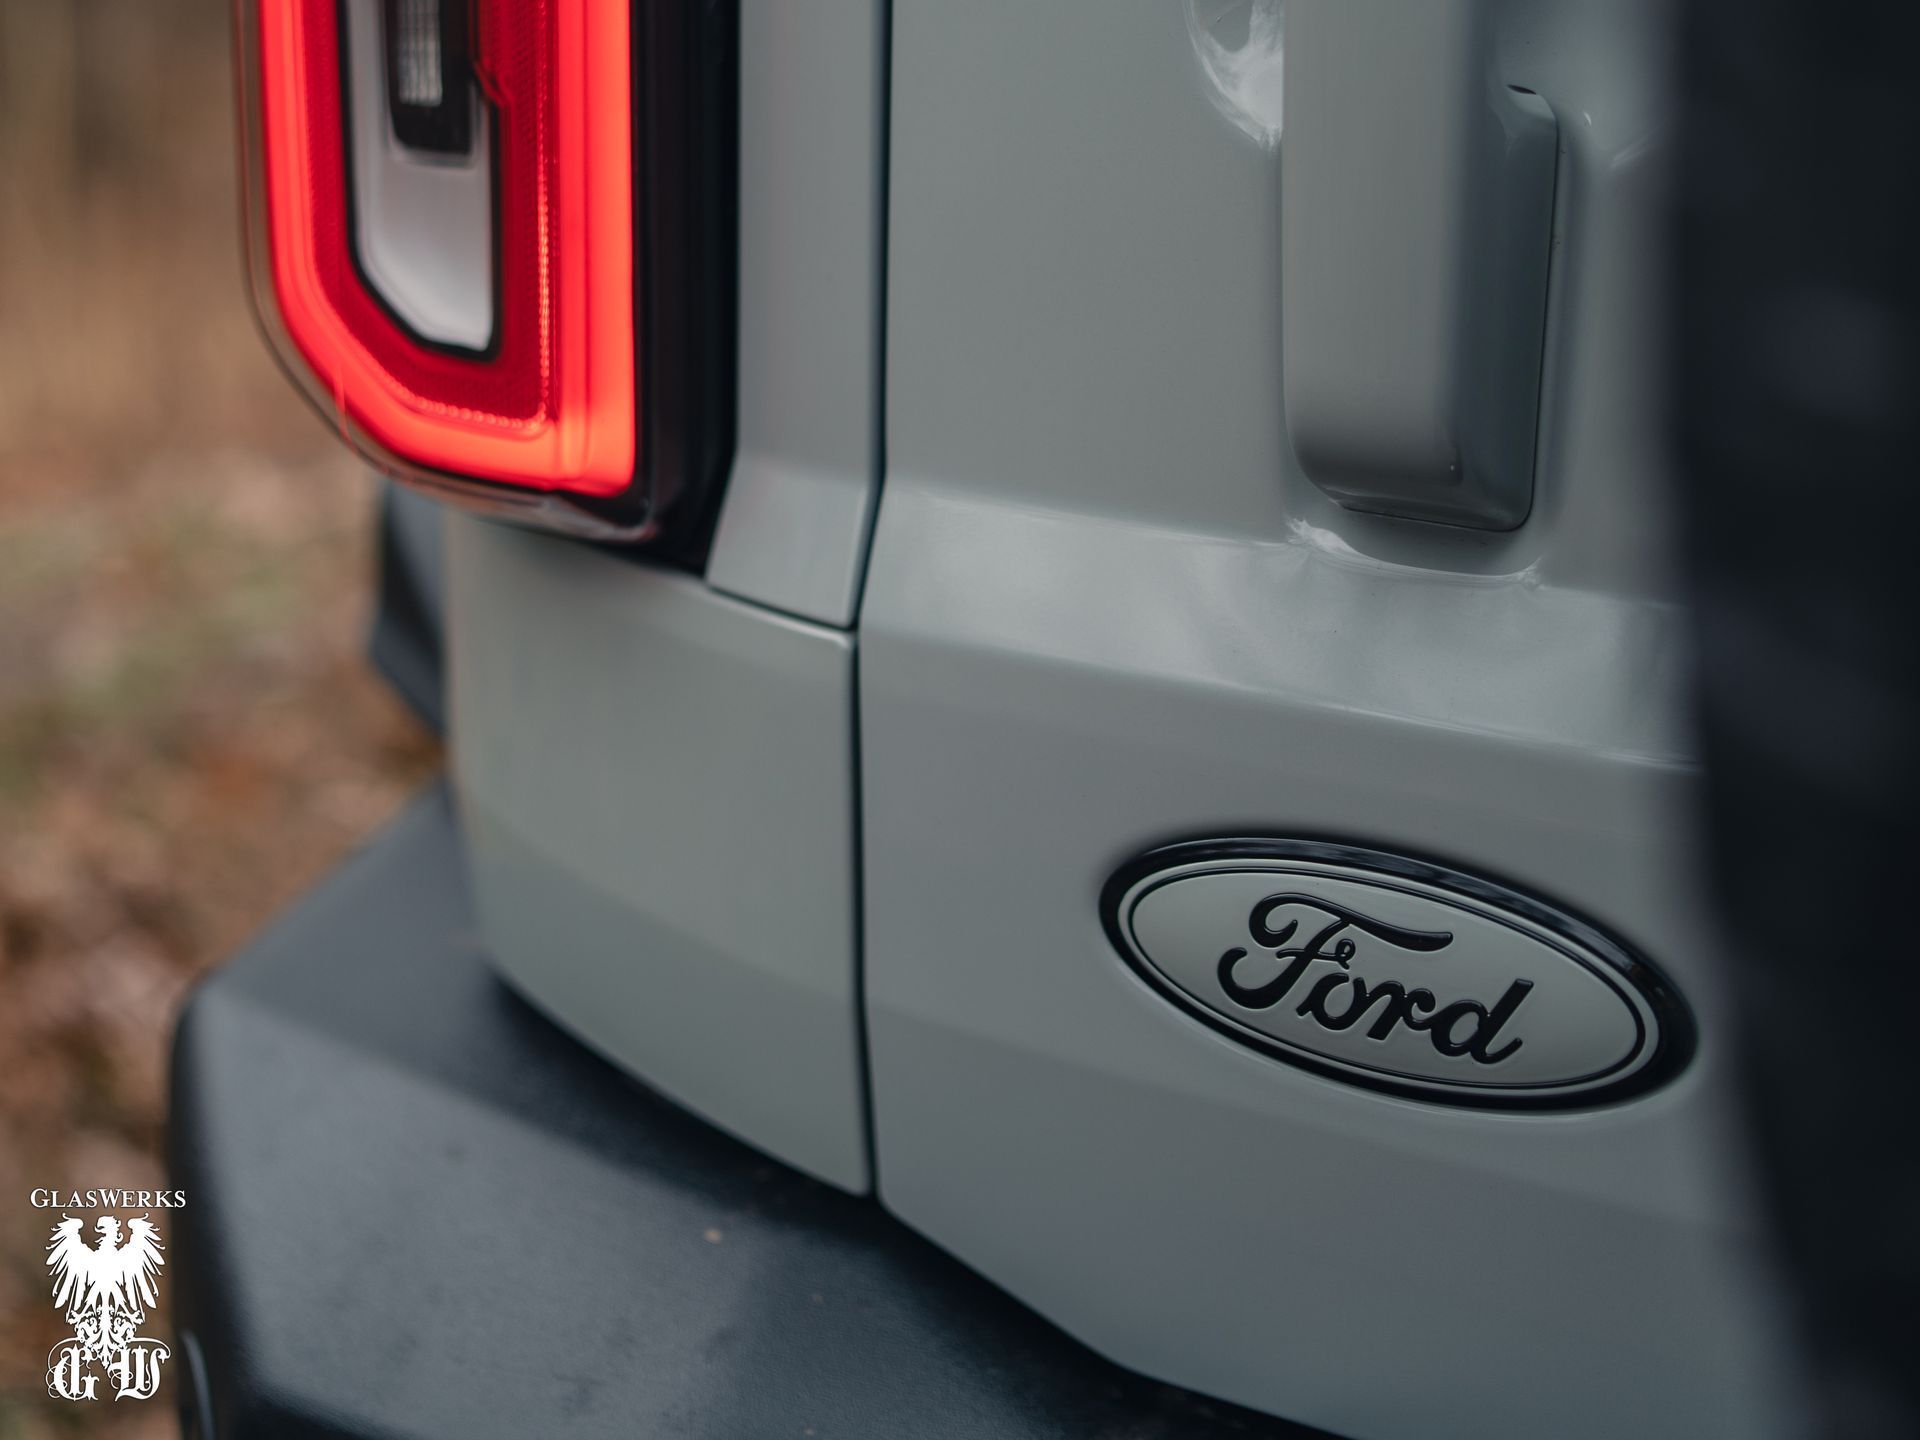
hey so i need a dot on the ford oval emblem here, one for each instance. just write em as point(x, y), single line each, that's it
point(1396, 974)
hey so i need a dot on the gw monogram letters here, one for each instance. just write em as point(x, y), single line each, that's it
point(103, 1290)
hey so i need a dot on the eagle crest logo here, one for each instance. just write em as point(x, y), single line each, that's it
point(104, 1290)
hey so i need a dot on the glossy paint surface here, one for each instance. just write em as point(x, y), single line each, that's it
point(1107, 610)
point(657, 787)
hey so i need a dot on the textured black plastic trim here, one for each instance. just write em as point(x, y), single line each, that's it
point(407, 644)
point(1673, 1041)
point(417, 1209)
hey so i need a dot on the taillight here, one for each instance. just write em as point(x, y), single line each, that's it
point(443, 244)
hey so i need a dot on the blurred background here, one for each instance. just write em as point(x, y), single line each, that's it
point(188, 734)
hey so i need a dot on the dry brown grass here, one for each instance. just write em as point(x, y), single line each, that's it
point(188, 736)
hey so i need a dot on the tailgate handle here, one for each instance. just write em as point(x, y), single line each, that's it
point(1416, 225)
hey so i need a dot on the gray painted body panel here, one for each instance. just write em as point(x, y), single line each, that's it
point(668, 865)
point(1106, 609)
point(1205, 1214)
point(799, 505)
point(656, 783)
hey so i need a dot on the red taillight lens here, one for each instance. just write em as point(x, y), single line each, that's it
point(550, 404)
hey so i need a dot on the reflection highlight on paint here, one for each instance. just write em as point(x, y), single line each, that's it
point(1238, 43)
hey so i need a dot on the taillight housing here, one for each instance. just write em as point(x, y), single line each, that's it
point(492, 240)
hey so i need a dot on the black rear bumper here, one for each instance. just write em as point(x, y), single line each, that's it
point(416, 1209)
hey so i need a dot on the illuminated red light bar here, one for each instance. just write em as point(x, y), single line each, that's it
point(551, 403)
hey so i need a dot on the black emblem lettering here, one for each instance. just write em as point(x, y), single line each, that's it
point(1339, 999)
